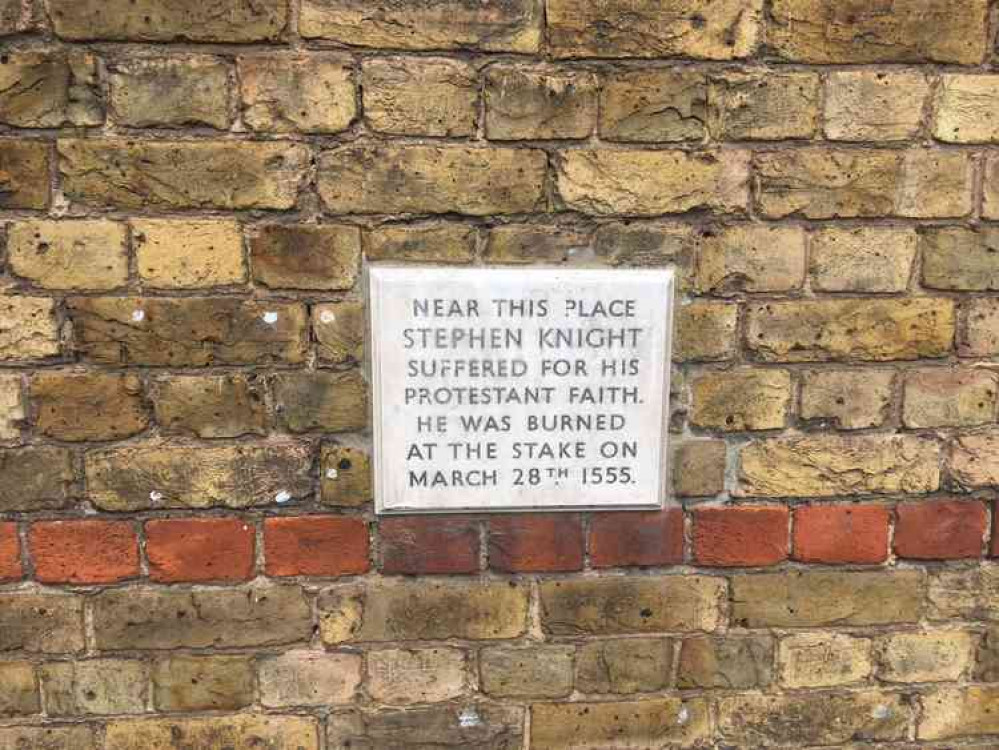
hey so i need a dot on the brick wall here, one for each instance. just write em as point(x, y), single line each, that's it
point(188, 553)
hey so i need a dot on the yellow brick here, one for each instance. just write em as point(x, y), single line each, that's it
point(69, 254)
point(173, 254)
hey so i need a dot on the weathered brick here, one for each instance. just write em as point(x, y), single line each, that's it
point(35, 478)
point(832, 31)
point(823, 660)
point(836, 534)
point(706, 332)
point(429, 545)
point(929, 656)
point(651, 538)
point(423, 179)
point(814, 598)
point(345, 476)
point(10, 553)
point(49, 89)
point(241, 731)
point(866, 329)
point(339, 328)
point(513, 26)
point(987, 669)
point(305, 92)
point(320, 400)
point(444, 243)
point(869, 105)
point(46, 623)
point(750, 258)
point(612, 606)
point(949, 398)
point(863, 259)
point(475, 727)
point(814, 718)
point(624, 665)
point(211, 406)
point(20, 696)
point(847, 399)
point(538, 542)
point(15, 17)
point(647, 183)
point(173, 254)
point(764, 106)
point(193, 331)
point(744, 399)
point(979, 336)
point(28, 328)
point(84, 551)
point(693, 28)
point(940, 529)
point(990, 196)
point(182, 174)
point(699, 468)
point(654, 106)
point(534, 672)
point(69, 254)
point(159, 618)
point(429, 96)
point(303, 256)
point(956, 258)
point(647, 244)
point(24, 173)
point(740, 536)
point(973, 461)
point(11, 407)
point(155, 475)
point(200, 549)
point(831, 465)
point(48, 737)
point(963, 593)
point(151, 92)
point(539, 103)
point(427, 675)
point(92, 406)
point(156, 21)
point(959, 712)
point(315, 546)
point(94, 686)
point(663, 722)
point(726, 662)
point(308, 678)
point(196, 683)
point(966, 109)
point(405, 610)
point(525, 243)
point(823, 183)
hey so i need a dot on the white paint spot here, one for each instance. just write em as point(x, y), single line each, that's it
point(332, 474)
point(327, 317)
point(155, 496)
point(139, 315)
point(469, 717)
point(881, 712)
point(282, 497)
point(270, 317)
point(683, 716)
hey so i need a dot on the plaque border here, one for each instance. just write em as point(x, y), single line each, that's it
point(371, 283)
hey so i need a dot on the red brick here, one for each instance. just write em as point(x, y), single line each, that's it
point(200, 549)
point(315, 546)
point(84, 551)
point(429, 545)
point(740, 536)
point(10, 553)
point(841, 534)
point(547, 542)
point(630, 538)
point(940, 529)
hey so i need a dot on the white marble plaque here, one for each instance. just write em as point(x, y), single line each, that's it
point(499, 389)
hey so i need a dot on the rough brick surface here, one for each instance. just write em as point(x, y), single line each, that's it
point(191, 192)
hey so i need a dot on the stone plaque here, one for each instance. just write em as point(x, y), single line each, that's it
point(500, 389)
